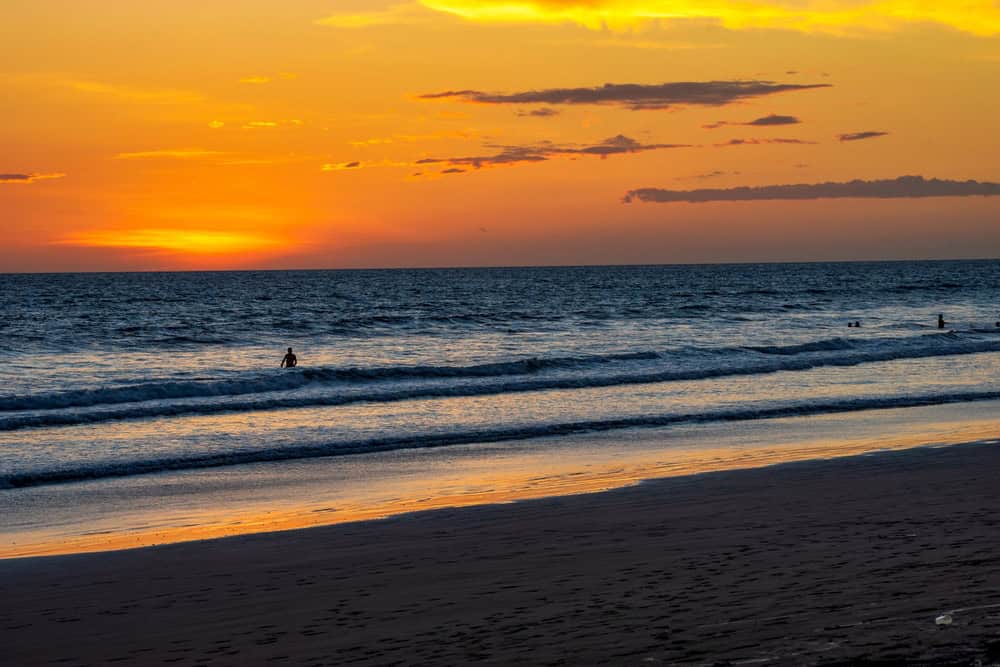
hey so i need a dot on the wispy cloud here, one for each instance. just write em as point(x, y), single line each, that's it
point(356, 165)
point(764, 121)
point(171, 154)
point(634, 96)
point(402, 14)
point(340, 166)
point(540, 152)
point(760, 142)
point(904, 187)
point(131, 93)
point(26, 179)
point(511, 155)
point(981, 17)
point(264, 124)
point(858, 136)
point(544, 112)
point(414, 138)
point(708, 175)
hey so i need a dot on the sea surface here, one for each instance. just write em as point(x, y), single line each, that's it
point(122, 375)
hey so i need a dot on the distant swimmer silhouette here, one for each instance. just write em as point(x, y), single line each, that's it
point(290, 360)
point(940, 321)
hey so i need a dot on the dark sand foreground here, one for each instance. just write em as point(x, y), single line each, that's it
point(819, 563)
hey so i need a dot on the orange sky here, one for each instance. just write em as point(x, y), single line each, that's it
point(181, 135)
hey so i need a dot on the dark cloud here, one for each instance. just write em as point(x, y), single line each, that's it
point(510, 155)
point(544, 112)
point(544, 151)
point(904, 187)
point(448, 93)
point(633, 95)
point(857, 136)
point(453, 170)
point(27, 178)
point(764, 121)
point(758, 142)
point(774, 119)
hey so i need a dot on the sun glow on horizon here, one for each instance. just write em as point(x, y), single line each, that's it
point(201, 242)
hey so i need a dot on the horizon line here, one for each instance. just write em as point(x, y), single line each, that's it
point(504, 266)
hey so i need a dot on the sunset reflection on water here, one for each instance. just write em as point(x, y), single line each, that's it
point(176, 507)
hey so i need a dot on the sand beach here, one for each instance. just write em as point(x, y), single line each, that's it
point(886, 558)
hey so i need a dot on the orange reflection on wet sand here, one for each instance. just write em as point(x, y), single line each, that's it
point(536, 474)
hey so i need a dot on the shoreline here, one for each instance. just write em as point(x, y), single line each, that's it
point(812, 562)
point(107, 515)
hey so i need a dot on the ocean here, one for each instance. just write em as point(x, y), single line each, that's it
point(109, 378)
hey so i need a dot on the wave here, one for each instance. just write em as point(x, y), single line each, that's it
point(773, 360)
point(367, 446)
point(825, 345)
point(259, 383)
point(860, 351)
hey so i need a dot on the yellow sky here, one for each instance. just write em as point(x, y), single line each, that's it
point(174, 134)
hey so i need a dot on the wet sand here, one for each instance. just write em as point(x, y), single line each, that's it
point(827, 562)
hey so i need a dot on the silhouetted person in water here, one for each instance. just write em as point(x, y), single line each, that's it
point(940, 321)
point(290, 360)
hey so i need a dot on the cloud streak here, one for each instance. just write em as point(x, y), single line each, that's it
point(544, 112)
point(764, 121)
point(858, 136)
point(711, 174)
point(341, 166)
point(904, 187)
point(403, 14)
point(511, 155)
point(634, 96)
point(414, 138)
point(26, 179)
point(759, 142)
point(132, 94)
point(265, 124)
point(171, 154)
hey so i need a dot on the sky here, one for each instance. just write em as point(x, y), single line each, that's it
point(240, 134)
